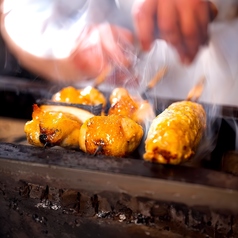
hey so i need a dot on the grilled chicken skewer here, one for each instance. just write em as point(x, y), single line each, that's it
point(118, 134)
point(51, 128)
point(122, 103)
point(175, 134)
point(113, 135)
point(86, 96)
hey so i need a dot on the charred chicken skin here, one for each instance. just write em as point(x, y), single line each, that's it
point(86, 96)
point(52, 128)
point(123, 104)
point(113, 135)
point(175, 133)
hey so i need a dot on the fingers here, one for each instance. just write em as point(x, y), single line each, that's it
point(144, 12)
point(182, 23)
point(204, 16)
point(190, 35)
point(169, 24)
point(194, 19)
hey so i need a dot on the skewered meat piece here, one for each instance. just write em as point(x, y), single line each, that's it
point(123, 104)
point(113, 135)
point(51, 128)
point(80, 114)
point(86, 96)
point(175, 133)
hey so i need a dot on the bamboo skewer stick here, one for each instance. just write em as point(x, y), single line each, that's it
point(195, 93)
point(156, 79)
point(102, 76)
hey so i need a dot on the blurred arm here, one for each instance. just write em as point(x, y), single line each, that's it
point(42, 27)
point(59, 41)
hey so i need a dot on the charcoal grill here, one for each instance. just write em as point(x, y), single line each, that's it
point(55, 191)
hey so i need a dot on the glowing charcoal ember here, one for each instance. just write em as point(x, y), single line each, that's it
point(175, 133)
point(113, 135)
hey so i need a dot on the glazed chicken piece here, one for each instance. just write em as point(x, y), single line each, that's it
point(113, 135)
point(52, 128)
point(123, 104)
point(86, 96)
point(175, 133)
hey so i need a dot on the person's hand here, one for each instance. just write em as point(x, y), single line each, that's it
point(100, 46)
point(182, 23)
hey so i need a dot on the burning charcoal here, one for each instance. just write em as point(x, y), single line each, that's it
point(104, 207)
point(13, 204)
point(36, 191)
point(161, 211)
point(222, 223)
point(141, 219)
point(45, 193)
point(35, 217)
point(122, 217)
point(102, 214)
point(95, 202)
point(180, 213)
point(199, 218)
point(39, 219)
point(25, 189)
point(70, 199)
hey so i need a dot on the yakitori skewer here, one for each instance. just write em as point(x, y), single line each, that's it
point(175, 134)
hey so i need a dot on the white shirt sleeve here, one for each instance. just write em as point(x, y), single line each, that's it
point(46, 28)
